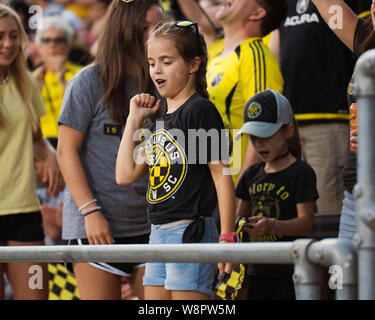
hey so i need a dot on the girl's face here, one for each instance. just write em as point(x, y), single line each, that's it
point(153, 16)
point(269, 149)
point(171, 74)
point(10, 41)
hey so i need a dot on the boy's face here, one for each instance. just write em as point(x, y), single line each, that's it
point(234, 11)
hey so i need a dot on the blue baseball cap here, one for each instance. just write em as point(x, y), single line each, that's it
point(265, 113)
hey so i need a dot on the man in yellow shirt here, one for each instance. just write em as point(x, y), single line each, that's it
point(245, 66)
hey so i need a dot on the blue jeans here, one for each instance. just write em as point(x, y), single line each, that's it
point(197, 277)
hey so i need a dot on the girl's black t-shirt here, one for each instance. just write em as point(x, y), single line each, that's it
point(276, 195)
point(178, 151)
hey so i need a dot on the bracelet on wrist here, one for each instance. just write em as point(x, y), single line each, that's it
point(86, 205)
point(90, 210)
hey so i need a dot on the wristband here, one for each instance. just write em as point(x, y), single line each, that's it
point(86, 205)
point(90, 210)
point(230, 237)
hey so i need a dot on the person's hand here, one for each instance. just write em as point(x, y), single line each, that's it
point(39, 74)
point(39, 173)
point(260, 226)
point(354, 138)
point(52, 214)
point(143, 105)
point(226, 267)
point(97, 229)
point(127, 292)
point(51, 175)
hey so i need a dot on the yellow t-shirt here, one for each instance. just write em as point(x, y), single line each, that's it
point(266, 39)
point(53, 94)
point(17, 177)
point(214, 49)
point(234, 79)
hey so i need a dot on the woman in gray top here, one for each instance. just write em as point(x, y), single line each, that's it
point(94, 111)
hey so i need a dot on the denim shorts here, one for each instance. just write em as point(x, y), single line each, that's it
point(196, 277)
point(347, 219)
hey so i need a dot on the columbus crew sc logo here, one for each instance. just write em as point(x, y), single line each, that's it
point(167, 164)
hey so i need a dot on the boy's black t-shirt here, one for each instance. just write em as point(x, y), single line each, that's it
point(180, 184)
point(275, 195)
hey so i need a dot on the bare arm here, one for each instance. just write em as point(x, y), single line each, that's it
point(191, 10)
point(130, 168)
point(69, 147)
point(45, 156)
point(226, 196)
point(331, 10)
point(227, 206)
point(274, 44)
point(300, 226)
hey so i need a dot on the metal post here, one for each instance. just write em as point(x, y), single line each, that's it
point(341, 256)
point(306, 274)
point(364, 192)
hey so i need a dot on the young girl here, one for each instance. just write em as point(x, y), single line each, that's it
point(181, 193)
point(278, 193)
point(94, 111)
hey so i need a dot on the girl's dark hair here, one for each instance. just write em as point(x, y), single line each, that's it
point(188, 46)
point(294, 143)
point(369, 41)
point(121, 51)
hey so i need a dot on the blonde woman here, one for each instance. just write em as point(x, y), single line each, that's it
point(21, 141)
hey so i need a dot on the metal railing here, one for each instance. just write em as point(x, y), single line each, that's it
point(307, 255)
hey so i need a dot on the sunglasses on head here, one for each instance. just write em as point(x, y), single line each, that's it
point(56, 41)
point(187, 24)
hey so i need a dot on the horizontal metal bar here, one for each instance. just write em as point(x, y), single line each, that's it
point(267, 253)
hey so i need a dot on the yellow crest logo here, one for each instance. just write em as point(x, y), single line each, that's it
point(167, 165)
point(254, 110)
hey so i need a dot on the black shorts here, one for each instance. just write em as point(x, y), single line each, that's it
point(22, 227)
point(121, 269)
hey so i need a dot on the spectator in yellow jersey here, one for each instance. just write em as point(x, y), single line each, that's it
point(54, 40)
point(245, 66)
